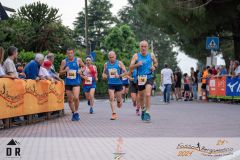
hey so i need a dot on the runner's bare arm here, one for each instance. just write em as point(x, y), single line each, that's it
point(80, 62)
point(130, 78)
point(155, 62)
point(63, 69)
point(96, 76)
point(133, 64)
point(104, 75)
point(80, 72)
point(122, 66)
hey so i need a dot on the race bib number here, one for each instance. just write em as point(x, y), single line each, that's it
point(72, 74)
point(142, 80)
point(89, 81)
point(124, 78)
point(112, 73)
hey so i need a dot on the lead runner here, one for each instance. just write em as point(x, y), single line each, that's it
point(145, 63)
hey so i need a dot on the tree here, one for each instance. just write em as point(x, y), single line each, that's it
point(192, 21)
point(36, 27)
point(121, 39)
point(162, 43)
point(100, 20)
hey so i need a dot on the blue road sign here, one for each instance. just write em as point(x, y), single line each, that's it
point(212, 43)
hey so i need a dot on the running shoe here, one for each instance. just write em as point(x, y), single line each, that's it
point(91, 110)
point(137, 112)
point(114, 116)
point(142, 115)
point(77, 116)
point(73, 117)
point(88, 102)
point(147, 117)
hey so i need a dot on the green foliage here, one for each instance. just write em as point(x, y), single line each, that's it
point(190, 22)
point(36, 27)
point(121, 39)
point(26, 57)
point(38, 14)
point(100, 20)
point(162, 42)
point(158, 80)
point(57, 60)
point(101, 84)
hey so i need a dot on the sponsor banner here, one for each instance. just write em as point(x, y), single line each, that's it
point(23, 97)
point(224, 86)
point(217, 86)
point(233, 86)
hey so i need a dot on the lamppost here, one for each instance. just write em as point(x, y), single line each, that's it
point(86, 28)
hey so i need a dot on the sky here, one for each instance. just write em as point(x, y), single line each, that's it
point(69, 10)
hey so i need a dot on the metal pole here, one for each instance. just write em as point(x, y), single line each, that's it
point(86, 28)
point(212, 57)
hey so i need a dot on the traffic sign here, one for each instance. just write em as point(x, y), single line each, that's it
point(212, 43)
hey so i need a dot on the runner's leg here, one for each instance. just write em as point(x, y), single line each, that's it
point(92, 92)
point(119, 99)
point(111, 99)
point(70, 100)
point(148, 97)
point(76, 91)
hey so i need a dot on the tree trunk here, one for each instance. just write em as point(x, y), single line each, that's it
point(236, 38)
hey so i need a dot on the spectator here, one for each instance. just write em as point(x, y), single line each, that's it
point(222, 70)
point(2, 72)
point(194, 80)
point(32, 68)
point(50, 57)
point(11, 71)
point(210, 74)
point(19, 67)
point(45, 71)
point(166, 80)
point(214, 71)
point(204, 80)
point(2, 75)
point(187, 93)
point(199, 75)
point(236, 68)
point(8, 65)
point(178, 84)
point(231, 68)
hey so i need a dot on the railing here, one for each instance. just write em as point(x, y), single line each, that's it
point(27, 97)
point(224, 87)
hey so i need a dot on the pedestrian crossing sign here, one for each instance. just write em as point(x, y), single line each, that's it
point(212, 43)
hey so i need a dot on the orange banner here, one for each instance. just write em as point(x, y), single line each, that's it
point(217, 86)
point(23, 97)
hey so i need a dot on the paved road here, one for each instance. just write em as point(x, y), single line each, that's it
point(170, 125)
point(178, 119)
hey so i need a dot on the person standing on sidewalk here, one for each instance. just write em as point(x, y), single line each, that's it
point(145, 63)
point(194, 80)
point(178, 83)
point(70, 68)
point(89, 75)
point(8, 65)
point(112, 72)
point(166, 81)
